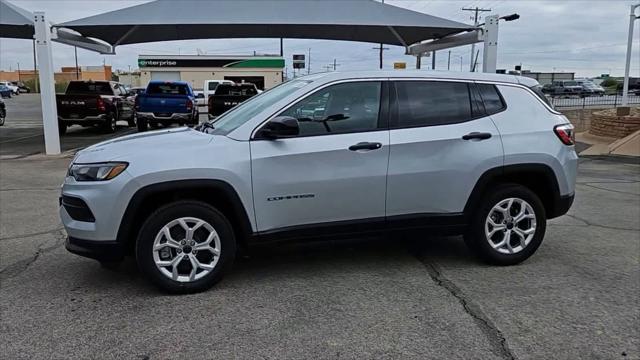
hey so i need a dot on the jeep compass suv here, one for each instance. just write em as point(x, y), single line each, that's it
point(336, 154)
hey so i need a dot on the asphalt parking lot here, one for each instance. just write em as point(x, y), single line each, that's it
point(22, 133)
point(403, 297)
point(418, 297)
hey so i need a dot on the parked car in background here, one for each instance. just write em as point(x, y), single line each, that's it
point(90, 103)
point(3, 112)
point(135, 91)
point(165, 103)
point(200, 98)
point(210, 86)
point(370, 163)
point(590, 89)
point(21, 86)
point(14, 89)
point(562, 88)
point(227, 96)
point(5, 91)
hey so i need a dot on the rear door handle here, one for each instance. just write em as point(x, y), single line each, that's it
point(365, 146)
point(477, 135)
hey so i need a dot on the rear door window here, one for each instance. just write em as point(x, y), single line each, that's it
point(431, 103)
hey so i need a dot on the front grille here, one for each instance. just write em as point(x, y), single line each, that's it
point(77, 209)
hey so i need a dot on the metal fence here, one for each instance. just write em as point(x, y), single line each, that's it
point(606, 101)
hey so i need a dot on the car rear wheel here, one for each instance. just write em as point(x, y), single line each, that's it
point(185, 247)
point(109, 125)
point(509, 225)
point(133, 121)
point(142, 124)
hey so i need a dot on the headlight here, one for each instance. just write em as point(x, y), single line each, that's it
point(96, 171)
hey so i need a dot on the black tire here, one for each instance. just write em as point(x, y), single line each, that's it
point(62, 128)
point(476, 239)
point(132, 122)
point(142, 125)
point(164, 215)
point(109, 126)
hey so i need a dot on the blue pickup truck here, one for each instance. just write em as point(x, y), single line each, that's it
point(165, 103)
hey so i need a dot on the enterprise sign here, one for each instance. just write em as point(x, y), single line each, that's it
point(257, 62)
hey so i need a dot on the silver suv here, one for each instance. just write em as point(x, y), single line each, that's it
point(335, 154)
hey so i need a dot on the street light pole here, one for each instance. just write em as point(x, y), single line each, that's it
point(625, 88)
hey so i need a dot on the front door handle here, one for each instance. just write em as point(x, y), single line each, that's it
point(477, 135)
point(365, 146)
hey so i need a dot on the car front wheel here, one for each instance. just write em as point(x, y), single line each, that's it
point(508, 226)
point(185, 247)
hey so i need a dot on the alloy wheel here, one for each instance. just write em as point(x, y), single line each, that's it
point(186, 249)
point(510, 225)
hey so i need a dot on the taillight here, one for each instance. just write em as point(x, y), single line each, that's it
point(189, 105)
point(100, 104)
point(565, 133)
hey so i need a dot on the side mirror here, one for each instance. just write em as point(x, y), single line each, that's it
point(280, 127)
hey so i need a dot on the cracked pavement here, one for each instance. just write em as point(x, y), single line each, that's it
point(407, 297)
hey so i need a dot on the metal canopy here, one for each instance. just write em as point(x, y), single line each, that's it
point(351, 20)
point(15, 22)
point(18, 23)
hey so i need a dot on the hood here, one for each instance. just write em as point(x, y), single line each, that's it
point(156, 142)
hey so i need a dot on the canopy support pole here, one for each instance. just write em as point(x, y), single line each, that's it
point(47, 84)
point(490, 52)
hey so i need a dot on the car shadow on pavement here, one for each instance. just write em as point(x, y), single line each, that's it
point(313, 260)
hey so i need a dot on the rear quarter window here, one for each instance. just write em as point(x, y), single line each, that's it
point(493, 101)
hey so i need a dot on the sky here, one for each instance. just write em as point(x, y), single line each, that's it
point(585, 37)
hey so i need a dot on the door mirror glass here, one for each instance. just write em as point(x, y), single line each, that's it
point(280, 127)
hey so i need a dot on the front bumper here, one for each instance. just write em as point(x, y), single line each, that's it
point(99, 250)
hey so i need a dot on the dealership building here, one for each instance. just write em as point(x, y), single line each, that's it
point(264, 71)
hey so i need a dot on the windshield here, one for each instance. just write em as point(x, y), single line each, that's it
point(537, 89)
point(242, 113)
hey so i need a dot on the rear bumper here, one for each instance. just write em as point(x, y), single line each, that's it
point(149, 116)
point(87, 119)
point(99, 250)
point(562, 206)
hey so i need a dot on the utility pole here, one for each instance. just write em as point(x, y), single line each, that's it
point(309, 67)
point(19, 71)
point(625, 87)
point(476, 10)
point(75, 49)
point(381, 48)
point(433, 60)
point(335, 64)
point(449, 61)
